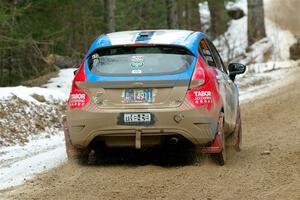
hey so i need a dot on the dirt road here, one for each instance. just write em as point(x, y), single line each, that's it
point(267, 168)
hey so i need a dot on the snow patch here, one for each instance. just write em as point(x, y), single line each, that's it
point(233, 43)
point(262, 78)
point(58, 88)
point(242, 4)
point(20, 163)
point(31, 137)
point(25, 93)
point(63, 82)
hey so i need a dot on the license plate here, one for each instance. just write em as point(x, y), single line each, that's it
point(135, 119)
point(138, 96)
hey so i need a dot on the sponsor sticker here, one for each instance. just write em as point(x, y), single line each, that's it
point(136, 71)
point(137, 62)
point(203, 97)
point(77, 99)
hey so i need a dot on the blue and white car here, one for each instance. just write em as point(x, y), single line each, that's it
point(149, 88)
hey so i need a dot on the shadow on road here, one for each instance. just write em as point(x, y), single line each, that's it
point(166, 156)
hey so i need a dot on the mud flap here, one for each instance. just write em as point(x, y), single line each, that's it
point(71, 151)
point(216, 145)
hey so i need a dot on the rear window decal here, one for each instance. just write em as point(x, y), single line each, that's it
point(203, 97)
point(137, 62)
point(136, 71)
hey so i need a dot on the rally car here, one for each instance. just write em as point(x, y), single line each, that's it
point(148, 88)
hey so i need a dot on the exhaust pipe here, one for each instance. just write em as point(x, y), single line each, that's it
point(174, 140)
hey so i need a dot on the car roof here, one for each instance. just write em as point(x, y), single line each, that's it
point(185, 38)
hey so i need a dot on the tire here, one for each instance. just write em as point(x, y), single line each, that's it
point(221, 157)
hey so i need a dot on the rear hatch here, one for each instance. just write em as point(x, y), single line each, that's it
point(155, 76)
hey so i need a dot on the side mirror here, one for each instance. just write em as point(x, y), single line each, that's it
point(235, 69)
point(75, 71)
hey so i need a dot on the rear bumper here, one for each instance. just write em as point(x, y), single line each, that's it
point(198, 125)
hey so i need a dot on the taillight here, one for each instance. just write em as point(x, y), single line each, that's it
point(199, 93)
point(78, 98)
point(198, 77)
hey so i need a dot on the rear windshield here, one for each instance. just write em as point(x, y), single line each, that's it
point(140, 60)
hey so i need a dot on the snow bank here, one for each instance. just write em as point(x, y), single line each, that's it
point(271, 66)
point(27, 111)
point(25, 93)
point(31, 137)
point(242, 4)
point(57, 89)
point(255, 85)
point(21, 119)
point(63, 82)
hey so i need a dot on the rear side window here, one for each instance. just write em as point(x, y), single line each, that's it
point(207, 53)
point(141, 60)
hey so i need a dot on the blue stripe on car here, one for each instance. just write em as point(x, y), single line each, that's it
point(101, 41)
point(190, 42)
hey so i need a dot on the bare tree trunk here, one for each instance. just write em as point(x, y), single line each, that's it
point(172, 14)
point(194, 21)
point(181, 14)
point(189, 15)
point(256, 21)
point(218, 17)
point(109, 15)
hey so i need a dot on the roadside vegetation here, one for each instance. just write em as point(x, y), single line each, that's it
point(32, 31)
